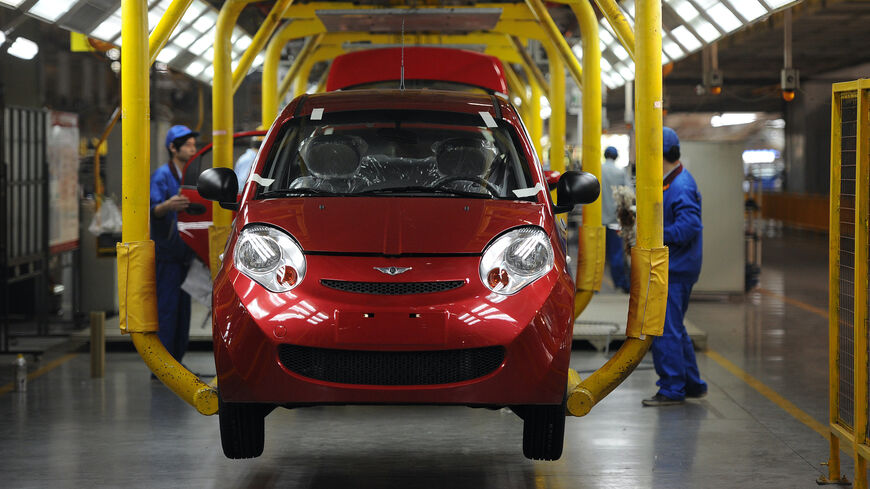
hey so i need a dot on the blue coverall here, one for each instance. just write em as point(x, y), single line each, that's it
point(173, 261)
point(673, 355)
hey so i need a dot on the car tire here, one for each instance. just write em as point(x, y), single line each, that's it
point(243, 429)
point(543, 431)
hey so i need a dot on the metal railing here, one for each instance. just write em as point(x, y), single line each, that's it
point(848, 271)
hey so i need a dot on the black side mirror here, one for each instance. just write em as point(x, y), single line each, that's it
point(219, 184)
point(575, 187)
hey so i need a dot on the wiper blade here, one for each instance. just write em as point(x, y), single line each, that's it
point(290, 192)
point(424, 189)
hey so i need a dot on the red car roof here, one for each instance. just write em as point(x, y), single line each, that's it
point(449, 101)
point(421, 63)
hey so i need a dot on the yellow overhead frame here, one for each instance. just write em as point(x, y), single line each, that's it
point(614, 16)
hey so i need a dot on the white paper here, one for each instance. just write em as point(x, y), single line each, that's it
point(316, 114)
point(262, 181)
point(528, 192)
point(487, 119)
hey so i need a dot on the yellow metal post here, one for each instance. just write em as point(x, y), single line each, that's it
point(653, 276)
point(529, 65)
point(269, 97)
point(165, 26)
point(263, 33)
point(862, 211)
point(306, 51)
point(620, 25)
point(540, 12)
point(534, 123)
point(136, 287)
point(558, 109)
point(300, 84)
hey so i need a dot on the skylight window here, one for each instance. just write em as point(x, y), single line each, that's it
point(686, 38)
point(749, 9)
point(50, 10)
point(108, 29)
point(620, 52)
point(723, 16)
point(684, 9)
point(706, 30)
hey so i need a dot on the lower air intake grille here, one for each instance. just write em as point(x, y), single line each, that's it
point(393, 288)
point(390, 368)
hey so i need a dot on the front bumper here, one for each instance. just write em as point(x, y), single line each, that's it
point(319, 345)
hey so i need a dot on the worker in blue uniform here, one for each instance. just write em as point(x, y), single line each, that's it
point(611, 178)
point(173, 256)
point(673, 355)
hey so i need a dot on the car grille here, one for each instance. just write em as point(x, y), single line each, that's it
point(393, 288)
point(391, 368)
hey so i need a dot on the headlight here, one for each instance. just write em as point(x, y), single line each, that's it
point(516, 259)
point(269, 257)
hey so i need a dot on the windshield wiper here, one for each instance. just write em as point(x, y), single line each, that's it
point(424, 189)
point(290, 192)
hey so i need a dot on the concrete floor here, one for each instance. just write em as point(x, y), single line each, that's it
point(69, 430)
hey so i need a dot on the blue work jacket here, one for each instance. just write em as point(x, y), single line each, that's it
point(682, 226)
point(164, 230)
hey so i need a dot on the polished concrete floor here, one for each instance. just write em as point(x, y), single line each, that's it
point(69, 430)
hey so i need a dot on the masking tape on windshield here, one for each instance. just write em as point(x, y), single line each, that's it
point(262, 181)
point(487, 119)
point(317, 114)
point(528, 192)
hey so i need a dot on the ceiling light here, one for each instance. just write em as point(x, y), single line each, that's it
point(760, 155)
point(774, 4)
point(2, 37)
point(605, 36)
point(12, 3)
point(203, 24)
point(195, 68)
point(209, 55)
point(625, 72)
point(578, 50)
point(685, 9)
point(243, 42)
point(673, 49)
point(749, 9)
point(723, 16)
point(620, 52)
point(732, 119)
point(185, 38)
point(50, 10)
point(259, 60)
point(605, 65)
point(192, 12)
point(23, 48)
point(705, 29)
point(202, 43)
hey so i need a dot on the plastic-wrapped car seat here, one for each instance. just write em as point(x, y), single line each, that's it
point(332, 161)
point(464, 157)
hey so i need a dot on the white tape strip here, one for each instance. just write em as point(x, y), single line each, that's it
point(528, 192)
point(487, 119)
point(316, 114)
point(262, 181)
point(187, 227)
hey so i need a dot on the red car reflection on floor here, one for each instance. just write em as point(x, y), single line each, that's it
point(394, 247)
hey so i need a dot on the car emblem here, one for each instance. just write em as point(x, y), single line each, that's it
point(392, 270)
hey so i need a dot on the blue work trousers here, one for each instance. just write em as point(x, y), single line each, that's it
point(673, 355)
point(616, 258)
point(173, 308)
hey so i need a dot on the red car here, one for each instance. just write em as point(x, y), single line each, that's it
point(394, 247)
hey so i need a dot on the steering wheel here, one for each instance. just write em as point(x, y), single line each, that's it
point(492, 189)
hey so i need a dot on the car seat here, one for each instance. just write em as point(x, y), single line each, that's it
point(331, 161)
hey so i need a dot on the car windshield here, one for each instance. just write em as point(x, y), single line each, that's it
point(418, 153)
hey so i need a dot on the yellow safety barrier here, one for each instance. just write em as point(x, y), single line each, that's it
point(848, 265)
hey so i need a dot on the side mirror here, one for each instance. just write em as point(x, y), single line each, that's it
point(221, 185)
point(575, 187)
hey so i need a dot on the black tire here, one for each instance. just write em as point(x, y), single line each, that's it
point(243, 429)
point(543, 431)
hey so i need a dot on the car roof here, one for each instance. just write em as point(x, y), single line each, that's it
point(355, 100)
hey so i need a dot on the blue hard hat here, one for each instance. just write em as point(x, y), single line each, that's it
point(177, 132)
point(669, 139)
point(611, 153)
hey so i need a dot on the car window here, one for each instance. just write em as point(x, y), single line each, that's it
point(388, 152)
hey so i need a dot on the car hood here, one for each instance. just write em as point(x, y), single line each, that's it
point(393, 225)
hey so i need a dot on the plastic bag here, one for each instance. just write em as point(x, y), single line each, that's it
point(107, 219)
point(198, 283)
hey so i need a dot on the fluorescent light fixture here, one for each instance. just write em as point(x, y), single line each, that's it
point(50, 10)
point(577, 49)
point(605, 65)
point(209, 55)
point(616, 78)
point(12, 3)
point(620, 52)
point(749, 9)
point(195, 68)
point(685, 10)
point(167, 54)
point(723, 16)
point(760, 156)
point(2, 37)
point(665, 59)
point(686, 38)
point(185, 38)
point(259, 60)
point(208, 72)
point(606, 25)
point(204, 23)
point(546, 111)
point(673, 49)
point(629, 7)
point(732, 119)
point(108, 29)
point(625, 72)
point(23, 48)
point(705, 29)
point(602, 46)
